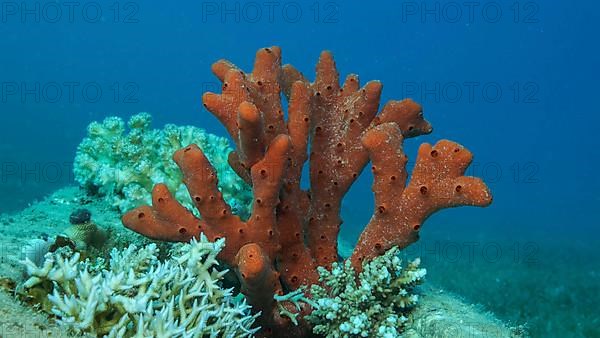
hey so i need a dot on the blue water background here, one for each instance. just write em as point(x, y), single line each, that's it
point(536, 144)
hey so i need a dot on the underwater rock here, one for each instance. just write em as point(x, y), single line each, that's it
point(443, 315)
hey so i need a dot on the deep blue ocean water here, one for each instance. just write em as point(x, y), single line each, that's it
point(513, 81)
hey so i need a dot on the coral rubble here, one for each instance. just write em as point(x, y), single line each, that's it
point(135, 294)
point(125, 164)
point(290, 232)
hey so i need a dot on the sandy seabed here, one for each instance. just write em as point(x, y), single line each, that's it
point(439, 314)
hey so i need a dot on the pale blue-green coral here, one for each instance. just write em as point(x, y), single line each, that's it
point(124, 164)
point(136, 294)
point(373, 304)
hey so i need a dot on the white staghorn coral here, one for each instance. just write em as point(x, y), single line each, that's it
point(372, 304)
point(136, 294)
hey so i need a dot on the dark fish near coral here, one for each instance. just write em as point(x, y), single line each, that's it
point(80, 216)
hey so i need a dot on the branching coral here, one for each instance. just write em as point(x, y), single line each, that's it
point(137, 295)
point(125, 164)
point(291, 231)
point(372, 305)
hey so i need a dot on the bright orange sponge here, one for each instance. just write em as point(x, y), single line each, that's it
point(291, 231)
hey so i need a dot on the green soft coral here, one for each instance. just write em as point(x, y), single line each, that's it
point(124, 164)
point(373, 304)
point(136, 294)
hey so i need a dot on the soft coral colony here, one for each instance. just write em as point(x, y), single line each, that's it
point(292, 231)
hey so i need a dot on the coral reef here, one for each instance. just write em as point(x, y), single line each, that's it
point(372, 305)
point(338, 129)
point(125, 164)
point(135, 294)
